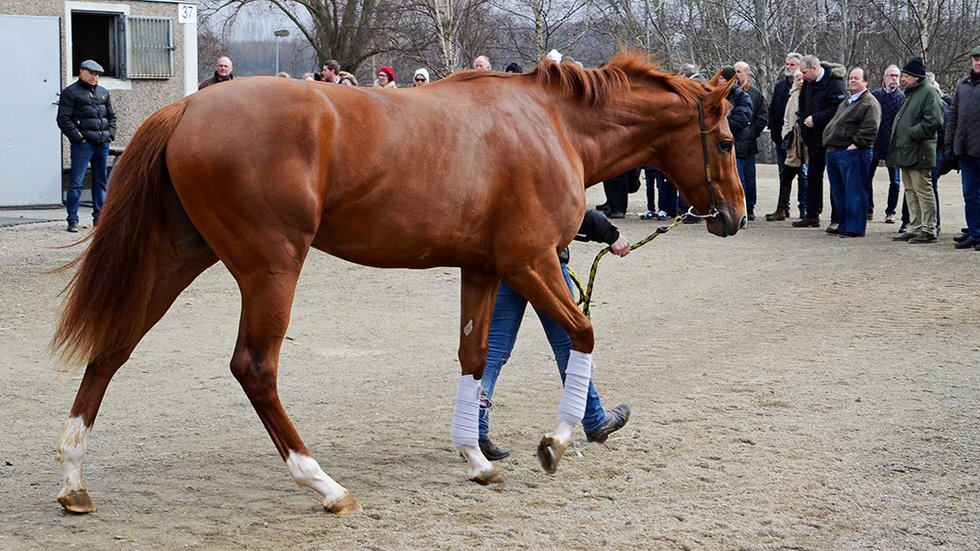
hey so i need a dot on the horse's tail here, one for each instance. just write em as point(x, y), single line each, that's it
point(104, 309)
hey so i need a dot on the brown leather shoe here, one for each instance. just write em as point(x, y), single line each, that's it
point(776, 216)
point(492, 451)
point(616, 419)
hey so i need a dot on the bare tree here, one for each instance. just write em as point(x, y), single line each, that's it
point(442, 33)
point(350, 31)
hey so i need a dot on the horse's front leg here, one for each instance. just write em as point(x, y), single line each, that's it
point(544, 286)
point(479, 292)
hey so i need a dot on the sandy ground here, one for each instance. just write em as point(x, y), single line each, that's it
point(790, 390)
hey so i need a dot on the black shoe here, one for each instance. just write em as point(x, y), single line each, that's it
point(776, 216)
point(615, 215)
point(616, 419)
point(72, 226)
point(807, 223)
point(833, 227)
point(961, 237)
point(903, 228)
point(604, 207)
point(750, 216)
point(903, 237)
point(492, 451)
point(967, 243)
point(923, 238)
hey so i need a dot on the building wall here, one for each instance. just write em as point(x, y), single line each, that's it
point(143, 97)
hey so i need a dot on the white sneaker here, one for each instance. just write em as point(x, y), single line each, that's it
point(661, 215)
point(648, 215)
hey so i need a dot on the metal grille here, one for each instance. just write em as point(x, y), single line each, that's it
point(151, 48)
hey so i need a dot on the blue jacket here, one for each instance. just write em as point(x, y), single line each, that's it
point(890, 104)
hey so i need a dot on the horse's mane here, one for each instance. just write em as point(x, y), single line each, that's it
point(593, 86)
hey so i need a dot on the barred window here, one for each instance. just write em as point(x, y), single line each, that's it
point(151, 48)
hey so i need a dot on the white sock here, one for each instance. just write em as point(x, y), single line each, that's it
point(465, 427)
point(571, 407)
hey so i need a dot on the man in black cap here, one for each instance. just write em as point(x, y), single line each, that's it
point(86, 118)
point(913, 149)
point(963, 142)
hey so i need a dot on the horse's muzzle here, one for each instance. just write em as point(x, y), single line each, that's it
point(725, 224)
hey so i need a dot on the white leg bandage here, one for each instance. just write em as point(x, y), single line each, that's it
point(571, 407)
point(465, 427)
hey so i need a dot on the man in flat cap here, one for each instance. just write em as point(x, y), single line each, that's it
point(86, 118)
point(913, 149)
point(963, 139)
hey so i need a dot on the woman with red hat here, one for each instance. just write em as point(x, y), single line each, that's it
point(386, 78)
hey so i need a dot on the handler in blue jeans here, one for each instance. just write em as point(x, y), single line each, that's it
point(507, 315)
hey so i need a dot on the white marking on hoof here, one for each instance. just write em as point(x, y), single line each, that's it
point(70, 453)
point(480, 467)
point(307, 473)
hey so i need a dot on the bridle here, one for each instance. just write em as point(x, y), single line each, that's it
point(712, 208)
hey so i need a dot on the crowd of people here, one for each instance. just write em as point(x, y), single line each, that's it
point(821, 124)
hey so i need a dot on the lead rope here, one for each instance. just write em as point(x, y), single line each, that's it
point(585, 295)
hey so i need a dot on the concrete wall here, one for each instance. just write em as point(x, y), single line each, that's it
point(134, 100)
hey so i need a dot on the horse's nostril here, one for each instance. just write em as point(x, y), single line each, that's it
point(743, 223)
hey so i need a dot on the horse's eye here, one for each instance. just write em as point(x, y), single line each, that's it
point(725, 146)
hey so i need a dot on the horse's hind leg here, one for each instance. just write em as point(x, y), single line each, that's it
point(267, 295)
point(175, 274)
point(543, 285)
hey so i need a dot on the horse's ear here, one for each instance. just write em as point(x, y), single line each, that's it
point(713, 81)
point(713, 101)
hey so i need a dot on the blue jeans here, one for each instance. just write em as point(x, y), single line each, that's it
point(970, 175)
point(847, 172)
point(81, 155)
point(746, 173)
point(507, 315)
point(894, 186)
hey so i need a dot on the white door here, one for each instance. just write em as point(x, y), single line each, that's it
point(30, 142)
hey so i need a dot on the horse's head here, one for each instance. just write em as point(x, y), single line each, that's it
point(698, 157)
point(681, 127)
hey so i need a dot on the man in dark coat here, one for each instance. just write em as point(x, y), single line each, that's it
point(87, 119)
point(760, 118)
point(223, 71)
point(890, 97)
point(962, 141)
point(823, 90)
point(777, 111)
point(739, 119)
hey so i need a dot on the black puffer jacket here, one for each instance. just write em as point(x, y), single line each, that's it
point(777, 108)
point(85, 114)
point(820, 100)
point(963, 130)
point(740, 121)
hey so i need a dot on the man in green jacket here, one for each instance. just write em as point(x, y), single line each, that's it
point(913, 149)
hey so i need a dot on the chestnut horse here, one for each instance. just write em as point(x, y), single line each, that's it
point(483, 171)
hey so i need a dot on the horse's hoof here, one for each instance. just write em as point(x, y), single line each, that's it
point(493, 476)
point(346, 505)
point(77, 501)
point(550, 452)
